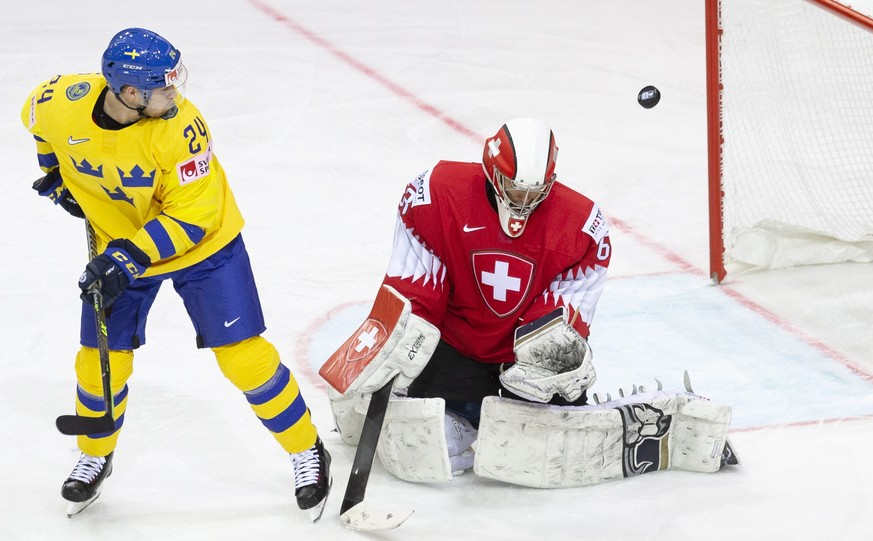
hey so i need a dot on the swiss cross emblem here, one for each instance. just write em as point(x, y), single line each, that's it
point(504, 280)
point(516, 225)
point(368, 338)
point(358, 351)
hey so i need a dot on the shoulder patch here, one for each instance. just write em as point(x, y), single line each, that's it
point(78, 91)
point(195, 167)
point(417, 192)
point(596, 225)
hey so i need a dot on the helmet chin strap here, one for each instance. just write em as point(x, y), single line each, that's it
point(139, 110)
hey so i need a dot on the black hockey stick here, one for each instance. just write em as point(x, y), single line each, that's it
point(75, 425)
point(366, 452)
point(353, 511)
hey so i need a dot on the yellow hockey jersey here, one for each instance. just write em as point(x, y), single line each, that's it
point(155, 182)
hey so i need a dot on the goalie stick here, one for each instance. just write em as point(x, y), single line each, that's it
point(75, 425)
point(354, 512)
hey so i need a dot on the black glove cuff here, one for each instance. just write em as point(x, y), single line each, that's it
point(46, 182)
point(138, 255)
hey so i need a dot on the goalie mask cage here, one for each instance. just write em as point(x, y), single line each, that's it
point(790, 130)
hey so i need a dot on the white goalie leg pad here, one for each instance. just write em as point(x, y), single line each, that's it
point(349, 412)
point(412, 445)
point(421, 443)
point(545, 446)
point(699, 434)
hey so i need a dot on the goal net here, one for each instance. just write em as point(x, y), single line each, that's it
point(790, 105)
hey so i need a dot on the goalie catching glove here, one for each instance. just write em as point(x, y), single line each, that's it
point(551, 358)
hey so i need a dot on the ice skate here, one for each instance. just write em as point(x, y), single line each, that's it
point(82, 487)
point(312, 480)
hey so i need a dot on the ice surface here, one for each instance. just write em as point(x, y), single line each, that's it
point(321, 112)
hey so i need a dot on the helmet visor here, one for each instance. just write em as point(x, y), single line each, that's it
point(519, 197)
point(160, 101)
point(177, 76)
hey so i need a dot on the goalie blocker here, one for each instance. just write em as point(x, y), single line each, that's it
point(391, 342)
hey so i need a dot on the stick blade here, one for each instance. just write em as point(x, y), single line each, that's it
point(364, 519)
point(76, 425)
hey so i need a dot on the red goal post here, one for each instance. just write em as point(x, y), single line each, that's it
point(790, 134)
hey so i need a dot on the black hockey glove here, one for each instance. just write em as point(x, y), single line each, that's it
point(115, 269)
point(52, 186)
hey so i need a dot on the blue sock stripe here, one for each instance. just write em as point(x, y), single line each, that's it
point(287, 418)
point(95, 403)
point(271, 389)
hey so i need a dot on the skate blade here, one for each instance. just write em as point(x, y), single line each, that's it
point(364, 519)
point(316, 512)
point(74, 508)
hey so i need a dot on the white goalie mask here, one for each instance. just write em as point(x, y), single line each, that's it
point(519, 161)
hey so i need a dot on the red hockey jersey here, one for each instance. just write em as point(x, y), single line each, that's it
point(463, 274)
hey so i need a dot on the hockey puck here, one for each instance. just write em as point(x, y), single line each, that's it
point(649, 97)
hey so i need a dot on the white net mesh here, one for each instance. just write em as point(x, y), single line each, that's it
point(798, 135)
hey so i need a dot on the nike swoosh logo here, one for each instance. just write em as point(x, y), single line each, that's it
point(468, 229)
point(72, 141)
point(231, 322)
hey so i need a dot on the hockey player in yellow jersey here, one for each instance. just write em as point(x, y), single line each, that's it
point(127, 151)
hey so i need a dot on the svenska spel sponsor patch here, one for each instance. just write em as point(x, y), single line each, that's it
point(195, 168)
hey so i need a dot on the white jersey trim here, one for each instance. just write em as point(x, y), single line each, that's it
point(417, 193)
point(581, 290)
point(411, 259)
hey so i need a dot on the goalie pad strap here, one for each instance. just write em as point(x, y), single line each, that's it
point(544, 446)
